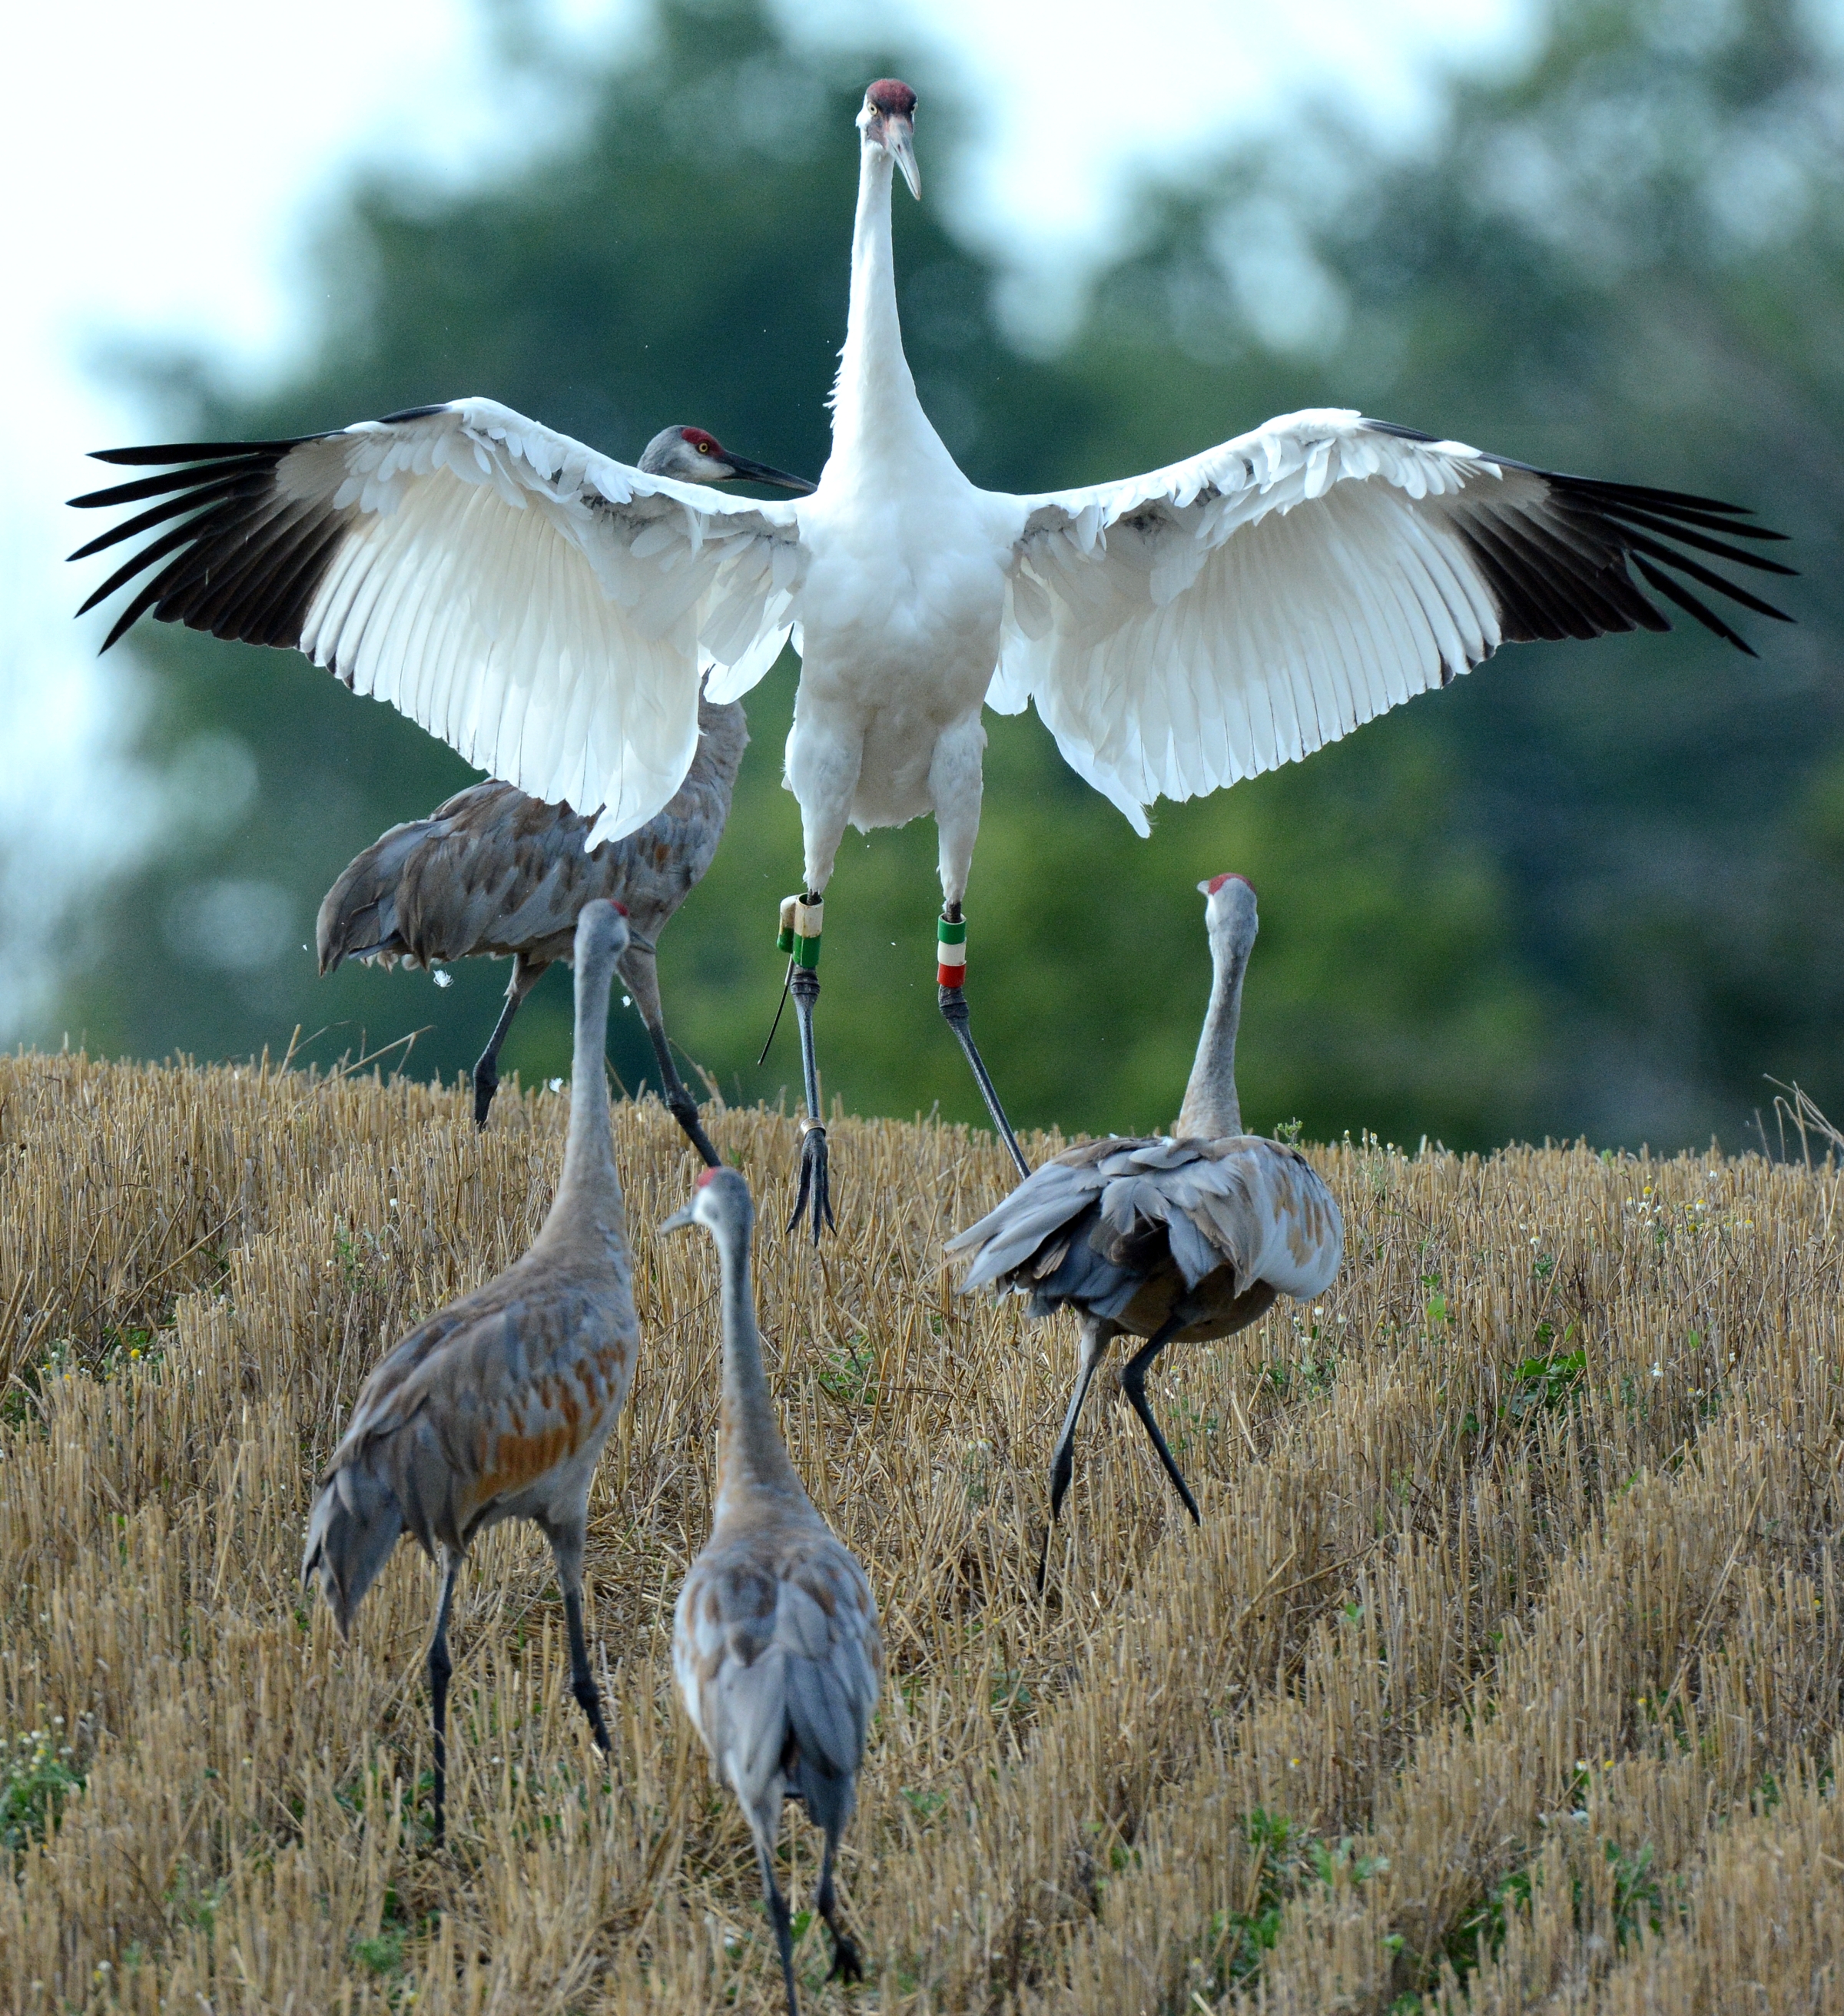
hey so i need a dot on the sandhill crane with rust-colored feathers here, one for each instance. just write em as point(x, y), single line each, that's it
point(1179, 1238)
point(497, 1408)
point(493, 872)
point(775, 1640)
point(543, 607)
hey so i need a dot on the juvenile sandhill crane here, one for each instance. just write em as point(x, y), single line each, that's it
point(1182, 1237)
point(497, 1408)
point(494, 872)
point(775, 1640)
point(543, 607)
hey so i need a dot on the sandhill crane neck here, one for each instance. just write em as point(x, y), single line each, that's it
point(1211, 1109)
point(752, 1455)
point(588, 1199)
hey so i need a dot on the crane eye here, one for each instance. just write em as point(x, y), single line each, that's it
point(704, 448)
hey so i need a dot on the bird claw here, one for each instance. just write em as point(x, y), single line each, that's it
point(815, 1183)
point(846, 1964)
point(485, 1084)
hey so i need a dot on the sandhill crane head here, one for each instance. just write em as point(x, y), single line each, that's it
point(601, 934)
point(888, 120)
point(722, 1198)
point(689, 454)
point(1230, 912)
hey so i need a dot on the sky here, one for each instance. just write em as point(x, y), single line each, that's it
point(166, 166)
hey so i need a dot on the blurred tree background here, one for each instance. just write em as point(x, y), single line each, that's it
point(1592, 889)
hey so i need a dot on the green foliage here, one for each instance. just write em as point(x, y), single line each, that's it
point(1585, 890)
point(37, 1776)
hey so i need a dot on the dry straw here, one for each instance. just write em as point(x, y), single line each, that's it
point(1504, 1674)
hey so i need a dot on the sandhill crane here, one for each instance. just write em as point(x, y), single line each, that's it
point(775, 1640)
point(497, 1408)
point(493, 872)
point(1181, 1237)
point(542, 607)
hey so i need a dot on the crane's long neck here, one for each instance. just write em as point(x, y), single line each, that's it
point(750, 1456)
point(874, 389)
point(1211, 1109)
point(589, 1190)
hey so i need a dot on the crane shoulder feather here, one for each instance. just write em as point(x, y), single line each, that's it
point(1089, 1226)
point(776, 1650)
point(539, 605)
point(1183, 629)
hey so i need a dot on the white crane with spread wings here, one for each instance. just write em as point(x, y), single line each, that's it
point(543, 607)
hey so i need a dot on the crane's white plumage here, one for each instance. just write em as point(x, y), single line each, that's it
point(542, 607)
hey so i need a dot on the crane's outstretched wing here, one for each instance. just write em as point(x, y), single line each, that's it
point(539, 606)
point(1183, 630)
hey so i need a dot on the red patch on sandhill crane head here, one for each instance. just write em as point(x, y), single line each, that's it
point(705, 1176)
point(893, 97)
point(698, 438)
point(1217, 881)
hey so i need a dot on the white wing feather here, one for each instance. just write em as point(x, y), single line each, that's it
point(542, 607)
point(1182, 630)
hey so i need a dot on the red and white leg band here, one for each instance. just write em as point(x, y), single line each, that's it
point(950, 953)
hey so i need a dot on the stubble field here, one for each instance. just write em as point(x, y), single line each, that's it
point(1504, 1673)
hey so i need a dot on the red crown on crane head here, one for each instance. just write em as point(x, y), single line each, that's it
point(1217, 881)
point(893, 97)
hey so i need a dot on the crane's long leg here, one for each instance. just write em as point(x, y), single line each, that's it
point(1133, 1380)
point(567, 1545)
point(640, 970)
point(951, 976)
point(801, 920)
point(764, 1830)
point(847, 1963)
point(486, 1072)
point(441, 1667)
point(1098, 1334)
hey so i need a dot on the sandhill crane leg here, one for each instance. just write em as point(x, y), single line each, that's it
point(441, 1666)
point(847, 1963)
point(640, 970)
point(486, 1073)
point(764, 1831)
point(815, 1184)
point(1098, 1334)
point(567, 1545)
point(1134, 1381)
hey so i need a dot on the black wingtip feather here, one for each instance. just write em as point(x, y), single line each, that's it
point(1691, 606)
point(171, 452)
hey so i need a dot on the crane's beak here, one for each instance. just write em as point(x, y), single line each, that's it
point(680, 1219)
point(742, 469)
point(899, 138)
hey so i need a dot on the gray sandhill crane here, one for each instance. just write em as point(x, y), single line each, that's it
point(494, 872)
point(775, 1640)
point(1182, 1238)
point(543, 607)
point(497, 1408)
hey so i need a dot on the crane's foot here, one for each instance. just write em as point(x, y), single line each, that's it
point(815, 1195)
point(847, 1964)
point(589, 1701)
point(685, 1111)
point(486, 1082)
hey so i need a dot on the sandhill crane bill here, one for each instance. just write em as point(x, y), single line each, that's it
point(497, 1408)
point(543, 607)
point(775, 1640)
point(1181, 1237)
